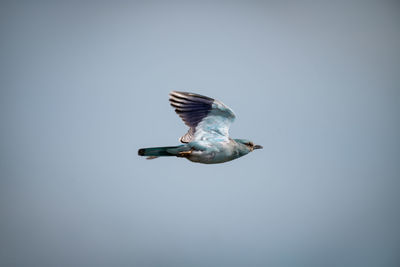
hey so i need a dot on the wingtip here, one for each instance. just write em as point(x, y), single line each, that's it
point(178, 94)
point(181, 94)
point(172, 93)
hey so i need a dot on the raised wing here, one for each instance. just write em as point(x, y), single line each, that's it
point(207, 118)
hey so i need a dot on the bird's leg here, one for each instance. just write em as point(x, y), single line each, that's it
point(185, 154)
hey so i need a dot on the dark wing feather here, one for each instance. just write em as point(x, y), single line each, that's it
point(207, 118)
point(192, 108)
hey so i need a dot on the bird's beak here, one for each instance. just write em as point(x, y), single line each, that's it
point(257, 147)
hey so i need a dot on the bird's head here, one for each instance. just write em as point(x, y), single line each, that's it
point(247, 145)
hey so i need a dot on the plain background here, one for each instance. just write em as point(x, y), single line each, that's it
point(84, 85)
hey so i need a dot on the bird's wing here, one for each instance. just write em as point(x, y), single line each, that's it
point(207, 118)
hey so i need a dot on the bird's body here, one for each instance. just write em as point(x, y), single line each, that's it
point(207, 140)
point(216, 152)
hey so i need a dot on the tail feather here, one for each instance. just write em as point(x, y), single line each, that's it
point(154, 152)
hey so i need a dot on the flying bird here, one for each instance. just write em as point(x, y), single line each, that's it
point(207, 140)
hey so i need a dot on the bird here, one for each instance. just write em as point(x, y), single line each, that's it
point(207, 140)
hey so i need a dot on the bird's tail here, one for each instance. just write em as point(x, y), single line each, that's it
point(155, 152)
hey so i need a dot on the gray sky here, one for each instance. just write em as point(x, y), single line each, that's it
point(83, 86)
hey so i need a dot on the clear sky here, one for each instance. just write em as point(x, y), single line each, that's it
point(84, 85)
